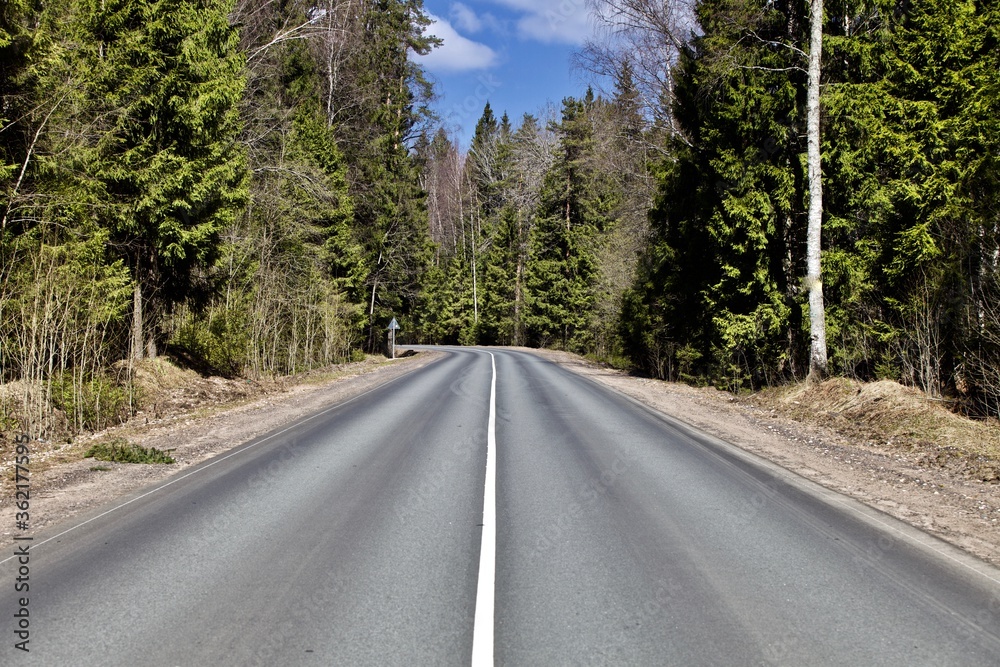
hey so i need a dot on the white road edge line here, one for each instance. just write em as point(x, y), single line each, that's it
point(482, 634)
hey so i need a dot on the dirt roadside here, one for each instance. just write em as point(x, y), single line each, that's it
point(957, 507)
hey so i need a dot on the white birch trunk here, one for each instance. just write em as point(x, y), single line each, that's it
point(814, 280)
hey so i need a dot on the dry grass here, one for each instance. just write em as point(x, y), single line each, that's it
point(153, 376)
point(887, 414)
point(163, 390)
point(325, 375)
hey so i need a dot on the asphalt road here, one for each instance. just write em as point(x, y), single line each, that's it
point(621, 537)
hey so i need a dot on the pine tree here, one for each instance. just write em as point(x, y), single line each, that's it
point(390, 215)
point(481, 162)
point(495, 228)
point(288, 266)
point(16, 49)
point(913, 162)
point(628, 106)
point(447, 318)
point(497, 321)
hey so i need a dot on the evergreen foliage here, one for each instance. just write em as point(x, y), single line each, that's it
point(260, 188)
point(390, 215)
point(909, 236)
point(232, 183)
point(720, 283)
point(573, 211)
point(167, 78)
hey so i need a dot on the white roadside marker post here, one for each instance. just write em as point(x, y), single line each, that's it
point(393, 327)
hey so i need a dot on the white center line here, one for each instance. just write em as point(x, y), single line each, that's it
point(482, 634)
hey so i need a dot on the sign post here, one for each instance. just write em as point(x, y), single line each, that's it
point(393, 327)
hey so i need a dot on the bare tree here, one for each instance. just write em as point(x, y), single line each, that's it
point(624, 161)
point(443, 181)
point(650, 35)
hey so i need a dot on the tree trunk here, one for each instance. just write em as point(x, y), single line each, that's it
point(137, 347)
point(475, 290)
point(518, 298)
point(814, 278)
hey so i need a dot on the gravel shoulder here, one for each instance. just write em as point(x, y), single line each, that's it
point(944, 502)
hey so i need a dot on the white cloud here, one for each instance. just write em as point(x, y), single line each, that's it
point(456, 53)
point(549, 21)
point(465, 19)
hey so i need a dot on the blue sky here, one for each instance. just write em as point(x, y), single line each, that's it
point(513, 53)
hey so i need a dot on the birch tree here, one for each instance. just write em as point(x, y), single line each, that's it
point(814, 276)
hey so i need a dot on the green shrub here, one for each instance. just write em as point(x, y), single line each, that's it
point(218, 339)
point(93, 403)
point(120, 450)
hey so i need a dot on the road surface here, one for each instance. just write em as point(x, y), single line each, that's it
point(613, 536)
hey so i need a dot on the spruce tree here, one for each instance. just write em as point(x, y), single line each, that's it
point(16, 97)
point(389, 211)
point(495, 231)
point(720, 283)
point(573, 210)
point(168, 77)
point(913, 161)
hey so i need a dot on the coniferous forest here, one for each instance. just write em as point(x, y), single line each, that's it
point(258, 187)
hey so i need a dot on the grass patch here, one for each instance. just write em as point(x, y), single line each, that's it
point(99, 468)
point(120, 450)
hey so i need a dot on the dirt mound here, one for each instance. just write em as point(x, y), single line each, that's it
point(888, 414)
point(164, 388)
point(153, 375)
